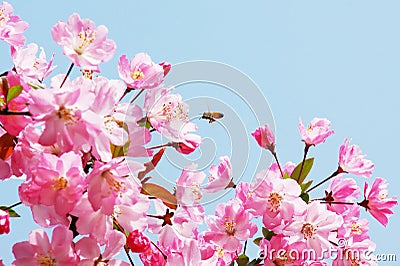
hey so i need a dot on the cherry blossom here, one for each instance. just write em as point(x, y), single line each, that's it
point(317, 132)
point(4, 222)
point(341, 190)
point(11, 26)
point(83, 43)
point(265, 137)
point(351, 160)
point(220, 176)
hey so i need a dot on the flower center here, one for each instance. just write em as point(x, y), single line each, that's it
point(196, 191)
point(220, 251)
point(45, 260)
point(86, 38)
point(229, 227)
point(137, 74)
point(4, 18)
point(355, 228)
point(274, 200)
point(59, 183)
point(308, 230)
point(67, 115)
point(87, 74)
point(114, 185)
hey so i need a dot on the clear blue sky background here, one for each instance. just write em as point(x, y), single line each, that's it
point(335, 59)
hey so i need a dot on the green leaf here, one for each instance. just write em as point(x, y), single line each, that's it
point(268, 234)
point(242, 260)
point(305, 185)
point(308, 163)
point(286, 175)
point(304, 196)
point(257, 240)
point(36, 86)
point(11, 212)
point(13, 92)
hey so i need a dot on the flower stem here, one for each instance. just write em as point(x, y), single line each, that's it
point(306, 148)
point(66, 75)
point(137, 95)
point(277, 161)
point(12, 206)
point(159, 249)
point(337, 202)
point(245, 246)
point(338, 171)
point(4, 112)
point(161, 146)
point(129, 256)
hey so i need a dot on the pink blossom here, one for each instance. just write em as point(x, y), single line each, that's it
point(356, 253)
point(189, 144)
point(231, 224)
point(107, 183)
point(278, 251)
point(317, 132)
point(314, 227)
point(265, 137)
point(83, 43)
point(221, 176)
point(152, 257)
point(69, 122)
point(138, 242)
point(5, 170)
point(376, 201)
point(351, 160)
point(166, 66)
point(15, 123)
point(341, 190)
point(46, 216)
point(4, 222)
point(141, 72)
point(188, 191)
point(90, 254)
point(11, 26)
point(55, 181)
point(28, 66)
point(40, 251)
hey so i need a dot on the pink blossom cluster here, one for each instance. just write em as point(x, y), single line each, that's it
point(76, 143)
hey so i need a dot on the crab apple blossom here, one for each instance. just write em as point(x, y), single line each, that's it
point(188, 145)
point(31, 69)
point(356, 253)
point(56, 181)
point(138, 242)
point(315, 133)
point(4, 222)
point(341, 190)
point(220, 176)
point(278, 251)
point(152, 257)
point(11, 26)
point(352, 160)
point(265, 137)
point(231, 224)
point(89, 251)
point(83, 43)
point(314, 227)
point(141, 72)
point(188, 191)
point(14, 124)
point(376, 200)
point(39, 250)
point(5, 170)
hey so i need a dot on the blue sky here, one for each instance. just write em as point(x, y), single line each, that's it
point(334, 59)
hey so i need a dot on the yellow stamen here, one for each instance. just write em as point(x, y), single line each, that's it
point(59, 183)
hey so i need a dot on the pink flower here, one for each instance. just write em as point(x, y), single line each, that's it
point(231, 224)
point(152, 257)
point(314, 227)
point(141, 72)
point(166, 66)
point(28, 66)
point(351, 160)
point(221, 176)
point(265, 137)
point(108, 182)
point(90, 253)
point(278, 251)
point(4, 222)
point(188, 190)
point(137, 242)
point(356, 253)
point(189, 144)
point(376, 201)
point(341, 190)
point(55, 181)
point(317, 132)
point(40, 251)
point(83, 43)
point(15, 123)
point(11, 26)
point(5, 170)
